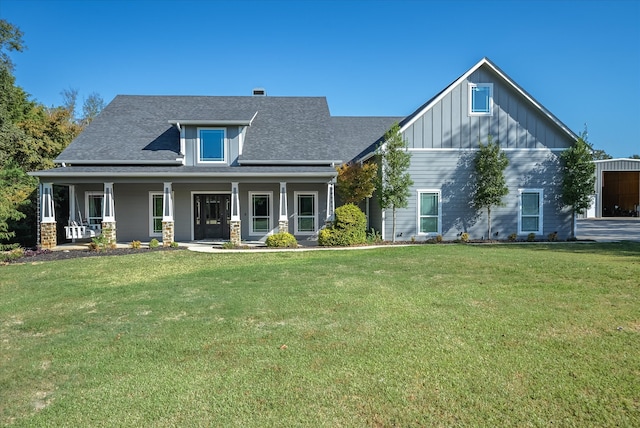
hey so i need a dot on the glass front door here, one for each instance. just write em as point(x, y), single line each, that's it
point(211, 216)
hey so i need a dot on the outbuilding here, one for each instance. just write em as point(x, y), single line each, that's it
point(617, 188)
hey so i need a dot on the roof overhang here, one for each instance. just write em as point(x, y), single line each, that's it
point(112, 162)
point(213, 122)
point(290, 162)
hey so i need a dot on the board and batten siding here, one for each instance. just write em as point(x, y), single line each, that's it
point(451, 172)
point(191, 141)
point(514, 123)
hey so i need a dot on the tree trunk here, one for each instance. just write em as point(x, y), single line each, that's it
point(393, 239)
point(573, 223)
point(489, 221)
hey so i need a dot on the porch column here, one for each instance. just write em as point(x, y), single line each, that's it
point(72, 203)
point(48, 232)
point(283, 220)
point(235, 235)
point(167, 216)
point(331, 203)
point(109, 214)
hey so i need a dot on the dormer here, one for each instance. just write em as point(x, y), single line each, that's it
point(218, 142)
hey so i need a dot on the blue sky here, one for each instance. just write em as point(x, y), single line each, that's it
point(580, 59)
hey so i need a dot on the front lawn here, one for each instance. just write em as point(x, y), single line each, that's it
point(428, 335)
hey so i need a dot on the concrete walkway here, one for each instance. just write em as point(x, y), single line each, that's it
point(609, 229)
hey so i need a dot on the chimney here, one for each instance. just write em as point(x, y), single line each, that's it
point(259, 92)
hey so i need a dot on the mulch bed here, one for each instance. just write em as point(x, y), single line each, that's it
point(45, 256)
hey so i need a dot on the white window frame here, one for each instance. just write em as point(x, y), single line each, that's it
point(472, 86)
point(151, 216)
point(269, 231)
point(419, 192)
point(225, 148)
point(540, 230)
point(87, 196)
point(297, 215)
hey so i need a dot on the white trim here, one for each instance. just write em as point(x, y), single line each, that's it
point(540, 230)
point(504, 149)
point(296, 215)
point(225, 146)
point(282, 202)
point(108, 204)
point(151, 216)
point(182, 141)
point(47, 206)
point(465, 76)
point(439, 193)
point(167, 202)
point(87, 195)
point(251, 216)
point(470, 87)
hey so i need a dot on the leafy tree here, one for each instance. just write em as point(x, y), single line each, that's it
point(15, 187)
point(599, 154)
point(634, 157)
point(10, 40)
point(490, 186)
point(91, 107)
point(394, 181)
point(356, 181)
point(578, 177)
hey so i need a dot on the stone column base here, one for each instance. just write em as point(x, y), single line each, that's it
point(283, 226)
point(48, 235)
point(109, 231)
point(235, 233)
point(167, 233)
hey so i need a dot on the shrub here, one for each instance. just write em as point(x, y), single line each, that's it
point(531, 237)
point(174, 244)
point(464, 237)
point(135, 245)
point(282, 240)
point(438, 238)
point(99, 243)
point(374, 237)
point(154, 243)
point(553, 236)
point(349, 228)
point(9, 256)
point(228, 245)
point(513, 237)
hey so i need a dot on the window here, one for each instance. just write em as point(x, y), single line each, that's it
point(530, 220)
point(306, 209)
point(155, 214)
point(480, 99)
point(260, 204)
point(212, 147)
point(93, 207)
point(429, 210)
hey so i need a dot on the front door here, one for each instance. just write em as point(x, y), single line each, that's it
point(211, 216)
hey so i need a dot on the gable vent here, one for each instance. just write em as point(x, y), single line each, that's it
point(260, 92)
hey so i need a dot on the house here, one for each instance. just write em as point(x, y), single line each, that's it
point(185, 168)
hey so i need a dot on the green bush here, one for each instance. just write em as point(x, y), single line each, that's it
point(349, 228)
point(513, 237)
point(531, 237)
point(154, 243)
point(464, 237)
point(136, 245)
point(282, 240)
point(15, 254)
point(174, 244)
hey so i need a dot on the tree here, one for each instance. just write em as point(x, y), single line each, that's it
point(91, 107)
point(634, 157)
point(356, 181)
point(490, 186)
point(578, 177)
point(10, 40)
point(599, 154)
point(394, 181)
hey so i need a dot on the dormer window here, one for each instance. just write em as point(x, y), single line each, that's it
point(480, 99)
point(212, 145)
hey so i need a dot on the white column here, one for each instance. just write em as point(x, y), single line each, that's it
point(331, 204)
point(47, 207)
point(235, 202)
point(108, 206)
point(167, 203)
point(283, 202)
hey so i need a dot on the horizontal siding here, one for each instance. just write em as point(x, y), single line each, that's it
point(451, 173)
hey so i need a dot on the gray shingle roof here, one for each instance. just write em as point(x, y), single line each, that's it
point(137, 128)
point(354, 135)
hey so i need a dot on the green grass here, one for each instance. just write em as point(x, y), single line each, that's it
point(430, 335)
